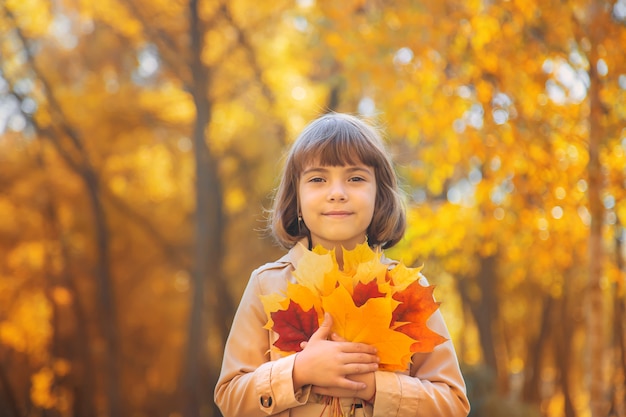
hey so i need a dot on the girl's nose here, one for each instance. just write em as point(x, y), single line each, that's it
point(337, 193)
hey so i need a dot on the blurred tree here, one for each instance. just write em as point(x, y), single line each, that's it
point(70, 145)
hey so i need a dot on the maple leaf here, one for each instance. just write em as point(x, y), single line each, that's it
point(363, 292)
point(356, 257)
point(425, 339)
point(313, 271)
point(361, 265)
point(369, 324)
point(272, 302)
point(294, 326)
point(303, 296)
point(401, 276)
point(417, 304)
point(372, 270)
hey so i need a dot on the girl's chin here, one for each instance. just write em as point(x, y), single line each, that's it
point(345, 244)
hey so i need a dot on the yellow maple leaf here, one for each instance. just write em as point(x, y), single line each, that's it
point(313, 270)
point(368, 271)
point(354, 258)
point(369, 324)
point(402, 276)
point(272, 302)
point(363, 265)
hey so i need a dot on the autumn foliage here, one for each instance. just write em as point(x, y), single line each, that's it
point(370, 302)
point(506, 121)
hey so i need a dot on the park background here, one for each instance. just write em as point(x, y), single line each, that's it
point(140, 142)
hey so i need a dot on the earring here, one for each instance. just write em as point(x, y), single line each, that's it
point(299, 224)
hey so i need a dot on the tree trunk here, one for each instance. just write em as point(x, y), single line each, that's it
point(563, 351)
point(106, 301)
point(73, 346)
point(485, 313)
point(596, 313)
point(208, 233)
point(619, 335)
point(7, 396)
point(534, 362)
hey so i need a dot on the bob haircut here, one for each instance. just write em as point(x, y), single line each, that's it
point(337, 139)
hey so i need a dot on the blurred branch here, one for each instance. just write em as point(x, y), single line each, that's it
point(169, 51)
point(175, 254)
point(245, 43)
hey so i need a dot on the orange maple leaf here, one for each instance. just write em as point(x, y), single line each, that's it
point(417, 303)
point(369, 324)
point(425, 339)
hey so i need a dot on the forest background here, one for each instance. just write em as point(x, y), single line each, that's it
point(140, 142)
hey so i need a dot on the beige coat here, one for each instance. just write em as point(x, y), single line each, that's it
point(254, 382)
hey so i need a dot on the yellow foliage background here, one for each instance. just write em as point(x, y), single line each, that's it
point(140, 143)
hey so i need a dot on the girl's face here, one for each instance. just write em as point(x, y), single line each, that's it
point(337, 203)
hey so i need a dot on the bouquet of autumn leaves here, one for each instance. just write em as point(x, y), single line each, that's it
point(370, 302)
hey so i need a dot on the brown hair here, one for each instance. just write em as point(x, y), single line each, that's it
point(337, 139)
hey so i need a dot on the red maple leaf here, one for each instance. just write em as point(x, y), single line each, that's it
point(294, 326)
point(416, 306)
point(363, 292)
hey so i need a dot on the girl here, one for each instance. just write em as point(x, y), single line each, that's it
point(338, 189)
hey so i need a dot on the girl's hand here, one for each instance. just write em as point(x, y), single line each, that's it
point(364, 394)
point(326, 364)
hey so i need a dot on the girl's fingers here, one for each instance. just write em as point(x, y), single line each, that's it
point(350, 391)
point(324, 330)
point(358, 358)
point(336, 338)
point(358, 348)
point(361, 368)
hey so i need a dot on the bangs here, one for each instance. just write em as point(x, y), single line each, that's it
point(338, 142)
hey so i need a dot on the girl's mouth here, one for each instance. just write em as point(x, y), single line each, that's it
point(337, 213)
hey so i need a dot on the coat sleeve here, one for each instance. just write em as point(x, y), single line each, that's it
point(250, 384)
point(434, 385)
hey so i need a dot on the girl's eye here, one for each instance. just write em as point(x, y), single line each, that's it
point(316, 179)
point(356, 179)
